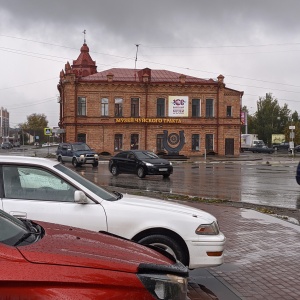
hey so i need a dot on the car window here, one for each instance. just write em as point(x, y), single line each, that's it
point(146, 155)
point(35, 184)
point(131, 156)
point(102, 193)
point(81, 147)
point(122, 155)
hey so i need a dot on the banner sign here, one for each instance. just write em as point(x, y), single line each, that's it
point(178, 106)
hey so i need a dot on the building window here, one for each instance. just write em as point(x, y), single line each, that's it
point(209, 108)
point(160, 107)
point(81, 106)
point(135, 107)
point(229, 111)
point(134, 141)
point(195, 107)
point(159, 142)
point(209, 142)
point(81, 137)
point(118, 107)
point(195, 142)
point(118, 142)
point(104, 107)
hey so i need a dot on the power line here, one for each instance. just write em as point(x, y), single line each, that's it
point(168, 65)
point(26, 84)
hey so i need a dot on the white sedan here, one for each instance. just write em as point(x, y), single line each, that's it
point(45, 190)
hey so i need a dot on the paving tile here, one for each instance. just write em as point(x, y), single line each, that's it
point(264, 250)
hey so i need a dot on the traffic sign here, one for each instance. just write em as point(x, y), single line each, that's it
point(47, 131)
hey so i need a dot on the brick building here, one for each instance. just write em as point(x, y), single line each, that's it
point(157, 110)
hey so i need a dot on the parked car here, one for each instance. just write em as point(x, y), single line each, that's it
point(45, 190)
point(47, 261)
point(285, 146)
point(76, 153)
point(263, 149)
point(6, 145)
point(296, 149)
point(140, 162)
point(16, 144)
point(298, 174)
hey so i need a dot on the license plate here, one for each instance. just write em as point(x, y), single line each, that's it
point(163, 169)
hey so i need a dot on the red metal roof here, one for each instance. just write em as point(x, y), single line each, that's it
point(135, 75)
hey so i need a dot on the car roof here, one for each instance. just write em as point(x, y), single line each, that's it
point(24, 160)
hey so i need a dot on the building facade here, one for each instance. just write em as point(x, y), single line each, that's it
point(158, 110)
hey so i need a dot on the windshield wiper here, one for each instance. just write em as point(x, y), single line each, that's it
point(31, 230)
point(23, 238)
point(119, 195)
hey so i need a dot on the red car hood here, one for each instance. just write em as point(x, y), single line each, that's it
point(63, 245)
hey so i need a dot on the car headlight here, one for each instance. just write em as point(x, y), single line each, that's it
point(96, 155)
point(208, 229)
point(81, 156)
point(148, 164)
point(170, 163)
point(165, 287)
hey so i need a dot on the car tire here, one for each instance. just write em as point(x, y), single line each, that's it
point(114, 170)
point(95, 164)
point(59, 158)
point(75, 163)
point(141, 172)
point(166, 175)
point(168, 244)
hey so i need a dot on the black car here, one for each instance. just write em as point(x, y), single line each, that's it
point(296, 149)
point(282, 147)
point(298, 174)
point(140, 162)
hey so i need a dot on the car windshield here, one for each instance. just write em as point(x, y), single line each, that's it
point(11, 229)
point(145, 155)
point(81, 147)
point(102, 193)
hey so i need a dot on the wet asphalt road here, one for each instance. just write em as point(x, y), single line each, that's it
point(265, 179)
point(247, 181)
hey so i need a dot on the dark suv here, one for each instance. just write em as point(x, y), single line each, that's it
point(77, 154)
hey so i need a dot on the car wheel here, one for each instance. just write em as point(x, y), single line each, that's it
point(95, 164)
point(114, 170)
point(141, 172)
point(166, 175)
point(75, 163)
point(168, 244)
point(59, 158)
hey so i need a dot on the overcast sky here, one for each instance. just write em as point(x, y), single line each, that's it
point(254, 44)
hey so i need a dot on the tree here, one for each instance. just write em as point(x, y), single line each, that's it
point(35, 125)
point(269, 118)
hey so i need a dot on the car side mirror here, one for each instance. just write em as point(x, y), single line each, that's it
point(80, 197)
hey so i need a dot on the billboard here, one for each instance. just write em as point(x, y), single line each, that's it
point(178, 106)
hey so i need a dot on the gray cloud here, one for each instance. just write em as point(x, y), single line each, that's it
point(195, 37)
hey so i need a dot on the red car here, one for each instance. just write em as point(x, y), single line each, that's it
point(49, 261)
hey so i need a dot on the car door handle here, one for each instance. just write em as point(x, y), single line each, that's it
point(19, 214)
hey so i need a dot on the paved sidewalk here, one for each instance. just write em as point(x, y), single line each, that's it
point(262, 258)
